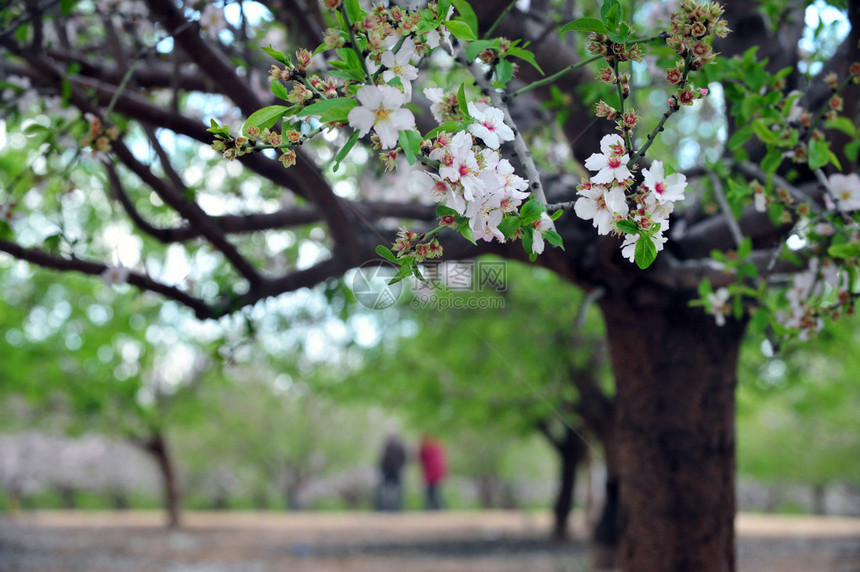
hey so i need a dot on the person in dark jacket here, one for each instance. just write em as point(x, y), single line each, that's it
point(390, 493)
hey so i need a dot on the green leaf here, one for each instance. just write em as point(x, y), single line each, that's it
point(504, 71)
point(335, 109)
point(416, 271)
point(476, 47)
point(36, 129)
point(553, 238)
point(525, 55)
point(528, 242)
point(740, 137)
point(530, 212)
point(278, 56)
point(510, 225)
point(819, 153)
point(279, 90)
point(344, 151)
point(354, 75)
point(771, 161)
point(461, 30)
point(467, 233)
point(385, 253)
point(442, 9)
point(847, 250)
point(627, 226)
point(442, 210)
point(610, 13)
point(222, 130)
point(842, 124)
point(410, 141)
point(468, 16)
point(447, 127)
point(763, 131)
point(66, 6)
point(266, 117)
point(354, 10)
point(789, 101)
point(556, 215)
point(705, 288)
point(461, 102)
point(645, 252)
point(584, 25)
point(745, 249)
point(622, 35)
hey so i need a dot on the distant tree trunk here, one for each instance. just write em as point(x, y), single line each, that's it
point(488, 491)
point(119, 499)
point(13, 502)
point(291, 491)
point(68, 499)
point(819, 499)
point(675, 372)
point(156, 446)
point(572, 450)
point(606, 533)
point(261, 499)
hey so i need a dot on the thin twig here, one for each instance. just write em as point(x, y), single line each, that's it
point(734, 227)
point(522, 150)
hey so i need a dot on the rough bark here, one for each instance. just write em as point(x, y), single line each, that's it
point(676, 376)
point(157, 447)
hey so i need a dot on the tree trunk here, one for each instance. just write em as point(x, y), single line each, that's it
point(675, 372)
point(819, 499)
point(68, 497)
point(119, 499)
point(157, 447)
point(571, 453)
point(606, 533)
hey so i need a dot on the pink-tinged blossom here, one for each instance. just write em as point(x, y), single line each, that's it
point(485, 213)
point(846, 190)
point(719, 304)
point(513, 185)
point(114, 275)
point(611, 163)
point(489, 126)
point(399, 66)
point(658, 212)
point(664, 188)
point(437, 96)
point(440, 190)
point(602, 206)
point(458, 163)
point(381, 109)
point(543, 224)
point(628, 247)
point(488, 233)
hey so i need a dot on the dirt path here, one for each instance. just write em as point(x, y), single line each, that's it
point(321, 542)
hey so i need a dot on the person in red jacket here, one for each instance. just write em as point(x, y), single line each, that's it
point(435, 469)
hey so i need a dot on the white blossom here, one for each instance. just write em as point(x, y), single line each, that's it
point(381, 110)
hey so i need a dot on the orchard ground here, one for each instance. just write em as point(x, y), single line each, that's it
point(135, 541)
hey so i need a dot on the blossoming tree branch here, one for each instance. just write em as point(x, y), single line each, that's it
point(534, 131)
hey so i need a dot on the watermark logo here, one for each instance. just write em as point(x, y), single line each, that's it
point(372, 288)
point(457, 285)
